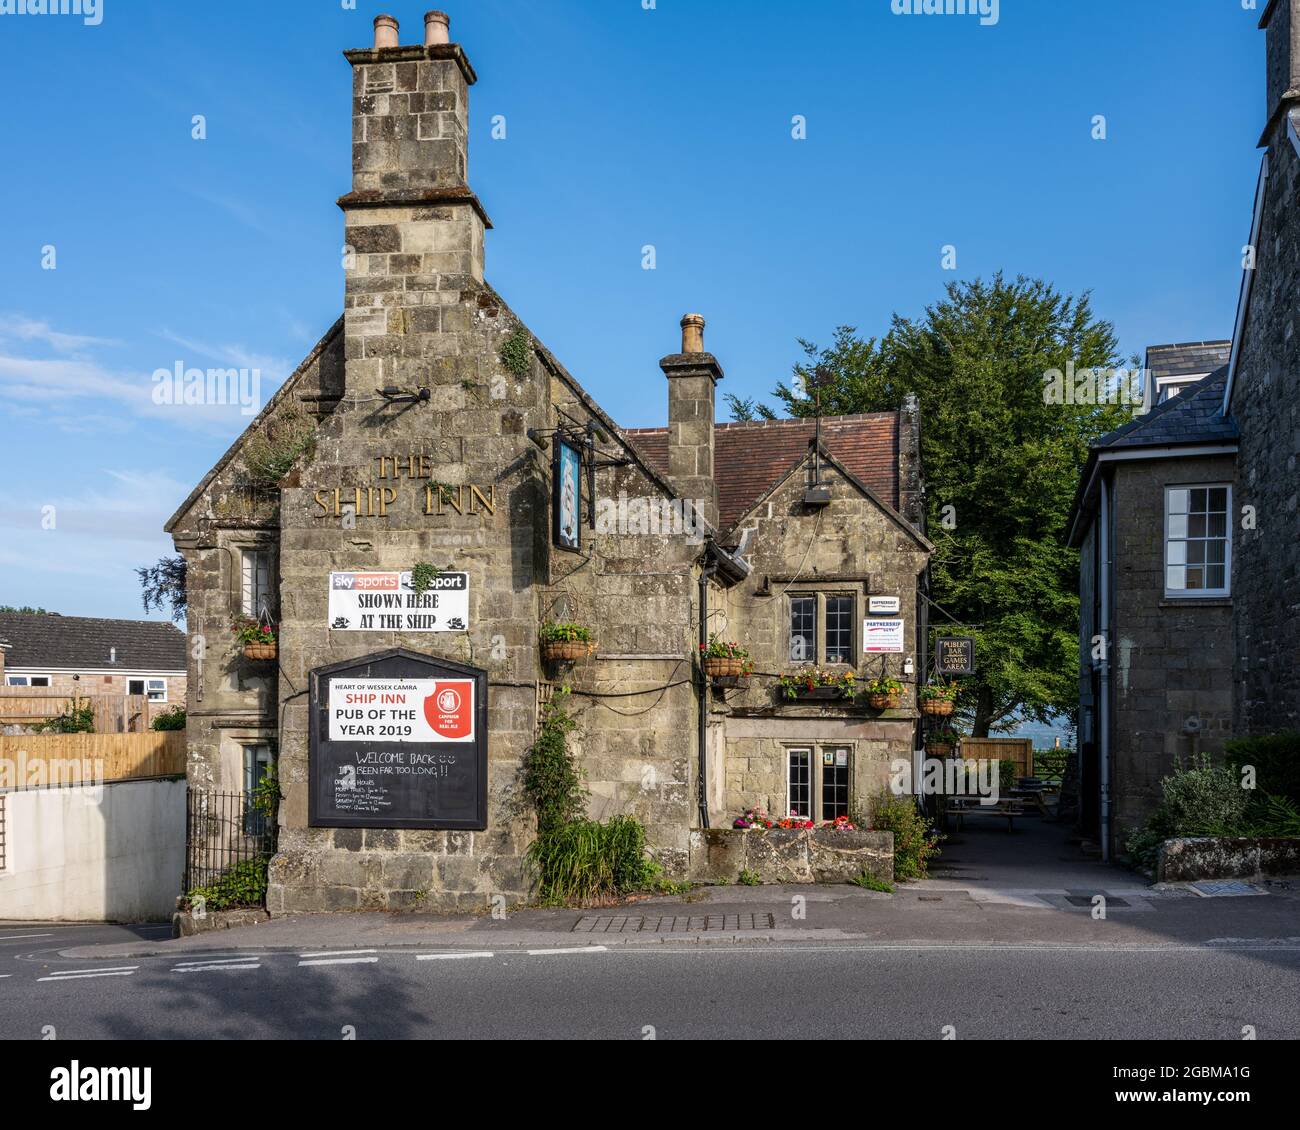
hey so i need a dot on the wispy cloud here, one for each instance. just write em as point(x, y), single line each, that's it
point(21, 328)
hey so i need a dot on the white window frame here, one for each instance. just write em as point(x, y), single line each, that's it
point(256, 565)
point(155, 690)
point(815, 751)
point(26, 681)
point(1201, 593)
point(821, 627)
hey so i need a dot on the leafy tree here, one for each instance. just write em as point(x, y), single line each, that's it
point(164, 584)
point(745, 410)
point(26, 610)
point(1001, 467)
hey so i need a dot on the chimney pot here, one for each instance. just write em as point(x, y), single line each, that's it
point(437, 28)
point(693, 333)
point(385, 32)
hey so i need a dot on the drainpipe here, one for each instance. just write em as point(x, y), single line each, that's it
point(705, 573)
point(1103, 706)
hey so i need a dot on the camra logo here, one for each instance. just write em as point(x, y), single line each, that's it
point(102, 1085)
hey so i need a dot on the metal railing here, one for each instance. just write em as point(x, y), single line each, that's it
point(224, 830)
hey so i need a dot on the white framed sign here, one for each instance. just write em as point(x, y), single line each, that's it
point(880, 637)
point(401, 710)
point(388, 602)
point(882, 604)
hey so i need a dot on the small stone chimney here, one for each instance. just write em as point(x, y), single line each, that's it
point(412, 226)
point(1281, 21)
point(692, 381)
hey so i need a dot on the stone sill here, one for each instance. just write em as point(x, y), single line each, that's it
point(1197, 602)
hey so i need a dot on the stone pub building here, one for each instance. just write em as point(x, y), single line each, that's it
point(426, 431)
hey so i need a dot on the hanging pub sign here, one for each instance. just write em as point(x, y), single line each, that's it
point(566, 496)
point(955, 655)
point(398, 740)
point(388, 602)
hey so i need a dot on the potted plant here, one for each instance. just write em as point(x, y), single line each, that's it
point(943, 742)
point(884, 693)
point(724, 660)
point(565, 642)
point(259, 640)
point(810, 684)
point(937, 699)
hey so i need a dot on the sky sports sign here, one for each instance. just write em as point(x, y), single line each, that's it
point(388, 602)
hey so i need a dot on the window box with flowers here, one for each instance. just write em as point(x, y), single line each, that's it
point(259, 638)
point(722, 660)
point(884, 693)
point(565, 642)
point(937, 699)
point(810, 685)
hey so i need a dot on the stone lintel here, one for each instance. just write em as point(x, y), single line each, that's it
point(691, 365)
point(405, 197)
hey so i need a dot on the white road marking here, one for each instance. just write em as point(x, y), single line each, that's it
point(337, 953)
point(448, 956)
point(221, 961)
point(105, 969)
point(341, 961)
point(568, 949)
point(16, 937)
point(213, 968)
point(88, 976)
point(4, 975)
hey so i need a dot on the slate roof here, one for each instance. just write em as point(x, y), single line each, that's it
point(1190, 359)
point(1194, 416)
point(43, 640)
point(749, 458)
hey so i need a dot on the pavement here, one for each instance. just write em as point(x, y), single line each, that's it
point(1015, 936)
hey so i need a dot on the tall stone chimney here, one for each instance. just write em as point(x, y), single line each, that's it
point(413, 229)
point(693, 376)
point(1281, 21)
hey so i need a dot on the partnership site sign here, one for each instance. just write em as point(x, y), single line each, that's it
point(398, 740)
point(388, 602)
point(882, 637)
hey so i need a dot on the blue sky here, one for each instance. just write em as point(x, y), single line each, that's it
point(625, 127)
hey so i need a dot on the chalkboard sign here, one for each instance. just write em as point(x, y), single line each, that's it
point(398, 740)
point(955, 655)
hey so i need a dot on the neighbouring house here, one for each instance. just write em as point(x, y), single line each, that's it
point(435, 441)
point(1188, 519)
point(1263, 395)
point(1153, 523)
point(129, 669)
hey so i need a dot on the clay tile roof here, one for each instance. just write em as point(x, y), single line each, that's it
point(750, 458)
point(39, 640)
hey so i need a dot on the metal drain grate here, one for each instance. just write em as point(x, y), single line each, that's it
point(1225, 888)
point(673, 924)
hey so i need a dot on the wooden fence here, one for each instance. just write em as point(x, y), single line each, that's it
point(43, 760)
point(1019, 750)
point(114, 714)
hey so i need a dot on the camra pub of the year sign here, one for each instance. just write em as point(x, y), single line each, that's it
point(398, 740)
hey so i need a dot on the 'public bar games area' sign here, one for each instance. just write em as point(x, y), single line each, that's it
point(398, 740)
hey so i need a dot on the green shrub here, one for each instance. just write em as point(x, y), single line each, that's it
point(869, 882)
point(552, 781)
point(77, 717)
point(1276, 760)
point(1008, 775)
point(748, 878)
point(244, 884)
point(1204, 799)
point(172, 718)
point(583, 860)
point(1270, 815)
point(516, 352)
point(915, 839)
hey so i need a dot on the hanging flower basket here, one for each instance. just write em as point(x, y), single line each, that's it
point(565, 643)
point(722, 660)
point(884, 693)
point(939, 749)
point(258, 637)
point(937, 707)
point(809, 685)
point(937, 699)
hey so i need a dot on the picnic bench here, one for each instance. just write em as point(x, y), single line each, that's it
point(1009, 809)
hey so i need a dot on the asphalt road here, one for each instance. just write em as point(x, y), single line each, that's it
point(887, 991)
